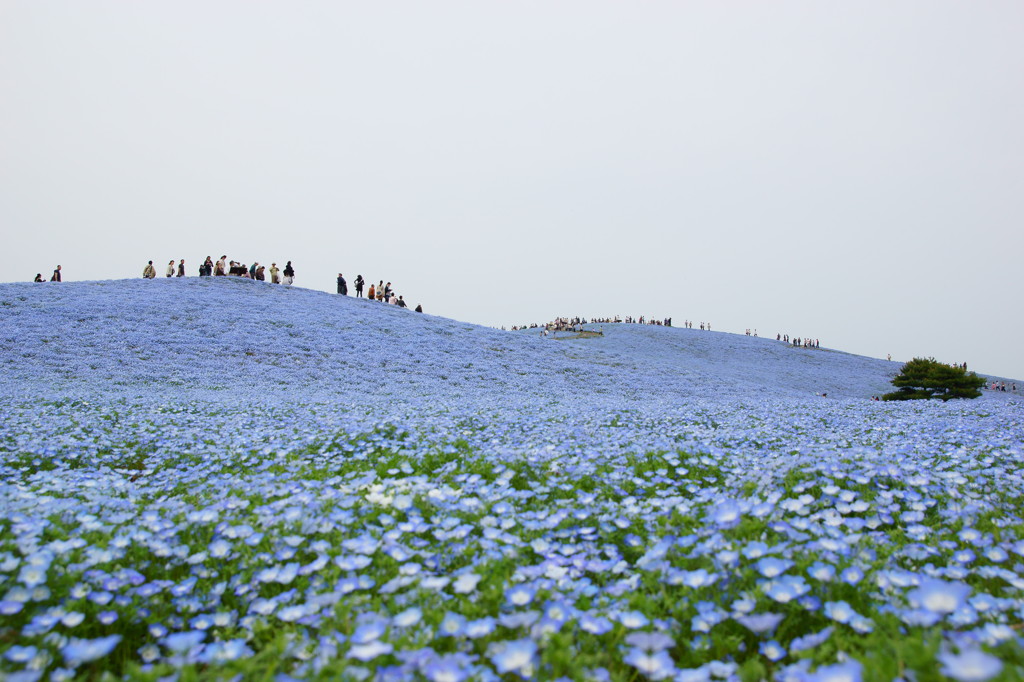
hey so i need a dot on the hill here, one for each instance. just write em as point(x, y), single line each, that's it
point(248, 338)
point(220, 478)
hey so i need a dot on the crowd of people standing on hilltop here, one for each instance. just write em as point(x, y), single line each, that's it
point(223, 267)
point(797, 341)
point(382, 292)
point(567, 323)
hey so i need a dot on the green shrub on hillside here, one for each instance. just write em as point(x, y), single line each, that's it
point(922, 378)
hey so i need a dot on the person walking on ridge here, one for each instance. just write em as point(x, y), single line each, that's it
point(342, 285)
point(149, 272)
point(359, 286)
point(289, 273)
point(170, 268)
point(56, 275)
point(181, 268)
point(275, 274)
point(370, 293)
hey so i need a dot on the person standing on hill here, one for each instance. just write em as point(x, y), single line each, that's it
point(289, 273)
point(275, 274)
point(252, 270)
point(170, 268)
point(359, 286)
point(218, 271)
point(149, 272)
point(342, 285)
point(259, 274)
point(380, 290)
point(370, 293)
point(39, 277)
point(56, 275)
point(181, 267)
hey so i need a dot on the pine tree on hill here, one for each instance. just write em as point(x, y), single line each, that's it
point(922, 378)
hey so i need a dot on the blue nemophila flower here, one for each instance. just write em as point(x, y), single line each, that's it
point(840, 611)
point(727, 514)
point(33, 571)
point(452, 625)
point(78, 651)
point(852, 575)
point(481, 627)
point(183, 642)
point(772, 650)
point(24, 676)
point(650, 641)
point(633, 619)
point(9, 607)
point(787, 588)
point(290, 614)
point(558, 611)
point(996, 555)
point(435, 583)
point(694, 579)
point(519, 595)
point(656, 666)
point(939, 596)
point(811, 641)
point(408, 618)
point(370, 650)
point(515, 656)
point(101, 598)
point(760, 623)
point(594, 624)
point(445, 669)
point(220, 548)
point(72, 618)
point(466, 583)
point(745, 604)
point(821, 572)
point(771, 567)
point(520, 619)
point(20, 654)
point(755, 550)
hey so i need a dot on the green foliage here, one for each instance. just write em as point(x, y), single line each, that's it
point(922, 378)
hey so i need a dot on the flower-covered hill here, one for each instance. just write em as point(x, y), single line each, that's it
point(220, 479)
point(244, 337)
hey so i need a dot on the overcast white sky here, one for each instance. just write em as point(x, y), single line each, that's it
point(852, 171)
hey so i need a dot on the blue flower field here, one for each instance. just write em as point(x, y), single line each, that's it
point(222, 479)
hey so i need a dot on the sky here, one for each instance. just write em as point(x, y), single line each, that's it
point(852, 172)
